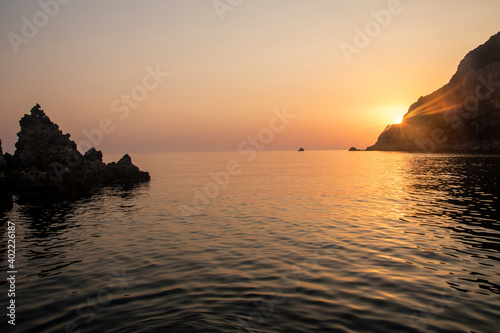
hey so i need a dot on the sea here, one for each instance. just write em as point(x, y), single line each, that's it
point(275, 241)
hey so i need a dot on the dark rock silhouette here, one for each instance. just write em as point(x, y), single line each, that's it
point(353, 149)
point(2, 160)
point(301, 149)
point(5, 195)
point(462, 116)
point(47, 164)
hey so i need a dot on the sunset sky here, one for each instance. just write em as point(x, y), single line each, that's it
point(230, 63)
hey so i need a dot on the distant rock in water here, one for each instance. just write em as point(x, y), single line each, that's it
point(353, 149)
point(462, 116)
point(47, 164)
point(301, 149)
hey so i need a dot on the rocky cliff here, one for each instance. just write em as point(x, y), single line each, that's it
point(46, 163)
point(462, 116)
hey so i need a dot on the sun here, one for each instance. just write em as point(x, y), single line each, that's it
point(392, 114)
point(396, 112)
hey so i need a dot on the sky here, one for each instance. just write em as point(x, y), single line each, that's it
point(209, 75)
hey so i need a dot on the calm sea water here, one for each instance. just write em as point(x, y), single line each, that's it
point(320, 241)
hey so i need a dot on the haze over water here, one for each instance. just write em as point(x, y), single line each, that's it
point(325, 241)
point(345, 68)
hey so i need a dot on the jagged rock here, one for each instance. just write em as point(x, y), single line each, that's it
point(301, 149)
point(125, 171)
point(93, 155)
point(41, 143)
point(47, 163)
point(462, 116)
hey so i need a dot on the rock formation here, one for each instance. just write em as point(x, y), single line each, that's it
point(46, 163)
point(301, 149)
point(462, 116)
point(2, 160)
point(5, 196)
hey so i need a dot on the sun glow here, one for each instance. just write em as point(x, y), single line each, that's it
point(397, 113)
point(392, 114)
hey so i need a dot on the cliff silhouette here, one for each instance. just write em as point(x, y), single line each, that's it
point(462, 116)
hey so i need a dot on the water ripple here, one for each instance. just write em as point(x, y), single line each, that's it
point(323, 241)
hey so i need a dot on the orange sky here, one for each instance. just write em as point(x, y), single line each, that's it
point(228, 68)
